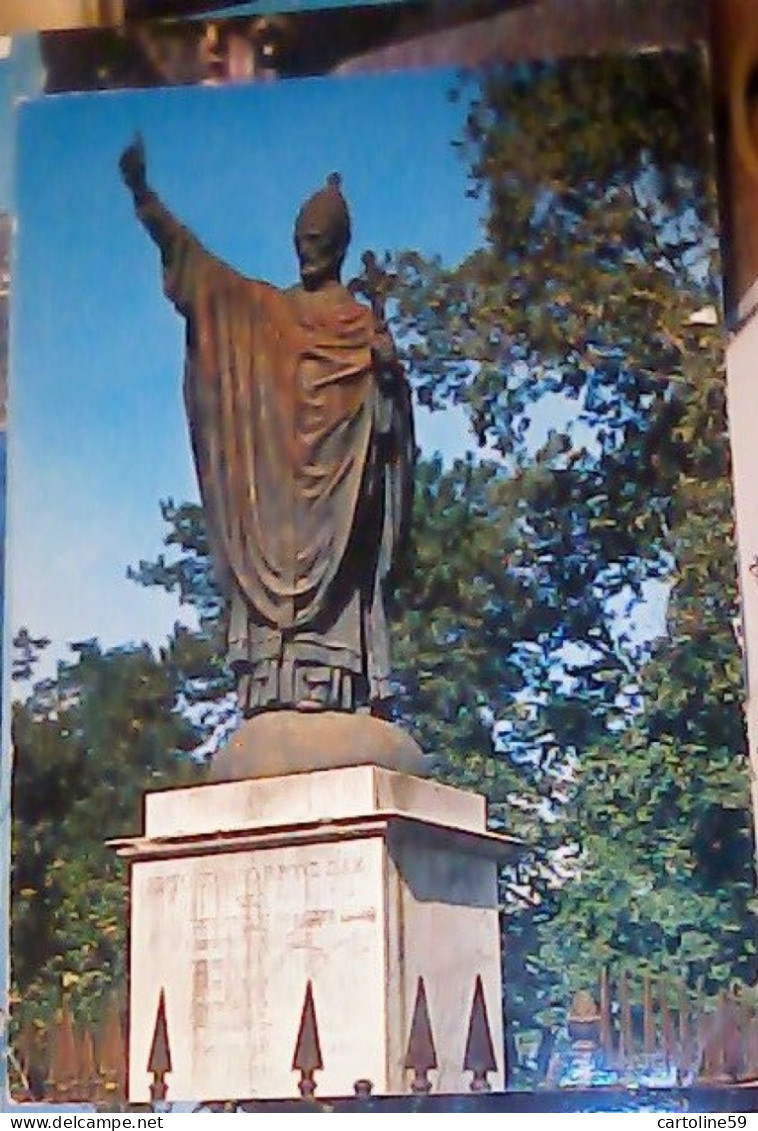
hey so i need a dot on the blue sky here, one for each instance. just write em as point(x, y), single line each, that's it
point(98, 431)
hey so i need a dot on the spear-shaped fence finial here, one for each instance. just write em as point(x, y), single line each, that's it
point(307, 1057)
point(479, 1056)
point(159, 1061)
point(421, 1055)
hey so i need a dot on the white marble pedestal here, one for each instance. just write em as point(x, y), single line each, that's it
point(358, 880)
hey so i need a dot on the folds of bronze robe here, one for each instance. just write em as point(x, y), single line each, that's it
point(303, 453)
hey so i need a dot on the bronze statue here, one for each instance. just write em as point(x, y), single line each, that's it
point(302, 433)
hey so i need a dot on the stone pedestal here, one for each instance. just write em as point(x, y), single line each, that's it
point(359, 880)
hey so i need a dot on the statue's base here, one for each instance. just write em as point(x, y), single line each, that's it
point(278, 743)
point(358, 880)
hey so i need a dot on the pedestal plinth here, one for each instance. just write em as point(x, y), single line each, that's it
point(359, 880)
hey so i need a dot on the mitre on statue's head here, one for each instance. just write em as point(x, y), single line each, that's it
point(325, 217)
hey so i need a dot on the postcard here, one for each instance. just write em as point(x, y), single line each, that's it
point(536, 249)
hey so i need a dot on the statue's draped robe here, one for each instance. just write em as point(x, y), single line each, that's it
point(303, 456)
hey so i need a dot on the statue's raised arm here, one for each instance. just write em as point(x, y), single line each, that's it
point(182, 255)
point(134, 167)
point(162, 226)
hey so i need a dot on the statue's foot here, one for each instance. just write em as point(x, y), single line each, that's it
point(309, 705)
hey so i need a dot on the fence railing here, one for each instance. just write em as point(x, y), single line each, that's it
point(70, 1062)
point(633, 1023)
point(623, 1027)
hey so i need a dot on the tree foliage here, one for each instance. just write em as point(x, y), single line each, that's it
point(593, 301)
point(87, 744)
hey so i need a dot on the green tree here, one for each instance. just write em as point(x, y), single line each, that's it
point(661, 821)
point(593, 298)
point(87, 744)
point(194, 657)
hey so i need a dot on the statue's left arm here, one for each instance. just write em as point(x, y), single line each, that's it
point(387, 364)
point(397, 432)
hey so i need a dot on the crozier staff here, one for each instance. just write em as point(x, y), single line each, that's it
point(302, 435)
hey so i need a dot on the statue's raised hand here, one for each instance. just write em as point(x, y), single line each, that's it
point(132, 165)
